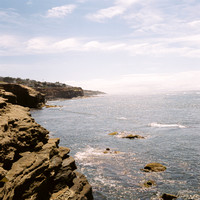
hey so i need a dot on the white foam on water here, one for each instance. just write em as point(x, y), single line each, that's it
point(91, 153)
point(158, 125)
point(88, 152)
point(126, 133)
point(122, 118)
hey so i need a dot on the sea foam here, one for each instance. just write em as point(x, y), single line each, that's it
point(158, 125)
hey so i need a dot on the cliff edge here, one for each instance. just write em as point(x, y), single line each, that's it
point(23, 95)
point(32, 166)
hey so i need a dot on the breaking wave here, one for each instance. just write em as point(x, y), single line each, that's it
point(158, 125)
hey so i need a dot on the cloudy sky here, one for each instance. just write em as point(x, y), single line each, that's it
point(128, 46)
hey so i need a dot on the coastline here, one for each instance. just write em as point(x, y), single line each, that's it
point(32, 165)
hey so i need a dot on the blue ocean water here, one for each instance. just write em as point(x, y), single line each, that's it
point(170, 124)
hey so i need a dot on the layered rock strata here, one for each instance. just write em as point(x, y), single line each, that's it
point(25, 96)
point(61, 92)
point(32, 166)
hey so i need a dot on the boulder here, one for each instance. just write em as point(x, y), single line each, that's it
point(168, 196)
point(154, 167)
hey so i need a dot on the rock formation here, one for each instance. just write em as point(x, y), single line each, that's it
point(149, 183)
point(61, 92)
point(9, 96)
point(154, 167)
point(32, 166)
point(55, 90)
point(25, 96)
point(168, 197)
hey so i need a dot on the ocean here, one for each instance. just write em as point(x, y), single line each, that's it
point(169, 123)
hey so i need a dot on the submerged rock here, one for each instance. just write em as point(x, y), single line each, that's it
point(107, 151)
point(113, 133)
point(149, 183)
point(111, 152)
point(52, 106)
point(154, 167)
point(168, 196)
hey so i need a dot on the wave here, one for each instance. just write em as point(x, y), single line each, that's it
point(88, 152)
point(158, 125)
point(122, 118)
point(93, 153)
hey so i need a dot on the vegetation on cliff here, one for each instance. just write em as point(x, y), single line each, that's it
point(51, 90)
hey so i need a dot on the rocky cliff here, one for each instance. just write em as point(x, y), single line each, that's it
point(22, 95)
point(51, 90)
point(32, 166)
point(61, 92)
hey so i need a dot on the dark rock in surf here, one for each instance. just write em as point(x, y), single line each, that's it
point(130, 136)
point(149, 183)
point(168, 196)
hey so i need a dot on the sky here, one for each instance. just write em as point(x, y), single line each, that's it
point(115, 46)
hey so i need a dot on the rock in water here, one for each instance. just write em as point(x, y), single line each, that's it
point(32, 166)
point(168, 197)
point(149, 183)
point(113, 133)
point(131, 136)
point(154, 167)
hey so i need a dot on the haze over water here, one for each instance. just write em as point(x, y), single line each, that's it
point(170, 124)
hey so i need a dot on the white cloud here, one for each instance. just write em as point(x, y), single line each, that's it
point(145, 83)
point(61, 11)
point(106, 13)
point(144, 19)
point(96, 45)
point(194, 24)
point(119, 8)
point(184, 46)
point(8, 41)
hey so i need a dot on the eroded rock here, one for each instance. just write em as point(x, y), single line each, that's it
point(25, 96)
point(154, 167)
point(32, 166)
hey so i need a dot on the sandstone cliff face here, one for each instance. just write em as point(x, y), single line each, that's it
point(25, 96)
point(61, 92)
point(32, 166)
